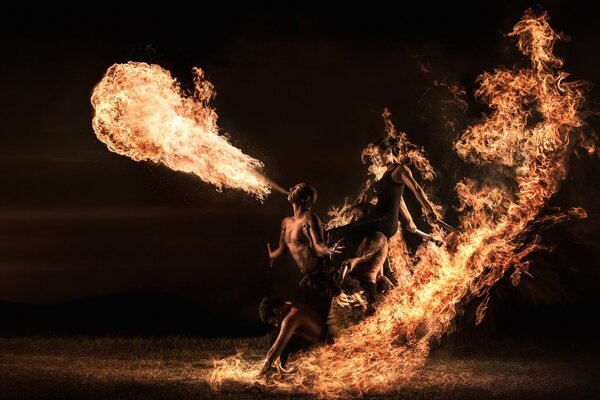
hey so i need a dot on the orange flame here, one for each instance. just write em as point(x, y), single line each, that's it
point(141, 112)
point(528, 137)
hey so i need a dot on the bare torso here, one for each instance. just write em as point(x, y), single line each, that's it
point(299, 243)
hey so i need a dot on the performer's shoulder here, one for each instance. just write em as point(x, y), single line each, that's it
point(310, 215)
point(401, 170)
point(293, 315)
point(285, 222)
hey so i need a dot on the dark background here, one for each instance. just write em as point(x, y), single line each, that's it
point(94, 243)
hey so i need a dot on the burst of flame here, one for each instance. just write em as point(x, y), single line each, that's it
point(528, 136)
point(141, 112)
point(340, 216)
point(409, 154)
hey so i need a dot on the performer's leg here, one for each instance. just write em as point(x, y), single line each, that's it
point(387, 271)
point(295, 344)
point(355, 231)
point(370, 290)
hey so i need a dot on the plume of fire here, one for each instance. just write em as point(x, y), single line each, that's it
point(142, 112)
point(410, 154)
point(529, 135)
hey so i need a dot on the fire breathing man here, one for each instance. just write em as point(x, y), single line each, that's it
point(302, 236)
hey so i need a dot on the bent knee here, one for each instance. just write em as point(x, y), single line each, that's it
point(379, 238)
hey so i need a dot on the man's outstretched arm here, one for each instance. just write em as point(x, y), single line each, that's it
point(313, 228)
point(282, 249)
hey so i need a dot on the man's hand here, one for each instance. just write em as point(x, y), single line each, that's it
point(411, 227)
point(351, 263)
point(271, 255)
point(335, 248)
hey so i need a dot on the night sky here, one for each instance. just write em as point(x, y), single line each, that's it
point(302, 90)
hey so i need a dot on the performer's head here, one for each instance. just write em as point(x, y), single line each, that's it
point(271, 310)
point(389, 149)
point(303, 195)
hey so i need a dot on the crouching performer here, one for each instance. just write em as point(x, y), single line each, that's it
point(299, 328)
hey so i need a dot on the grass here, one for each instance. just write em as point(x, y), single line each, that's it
point(178, 368)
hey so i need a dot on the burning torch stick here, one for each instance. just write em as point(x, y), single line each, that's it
point(427, 236)
point(447, 226)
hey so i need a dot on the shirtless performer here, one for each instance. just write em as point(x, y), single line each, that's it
point(302, 235)
point(293, 319)
point(367, 265)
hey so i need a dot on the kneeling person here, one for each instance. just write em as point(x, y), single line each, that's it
point(294, 320)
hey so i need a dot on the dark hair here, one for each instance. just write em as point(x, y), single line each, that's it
point(389, 142)
point(307, 195)
point(364, 207)
point(267, 307)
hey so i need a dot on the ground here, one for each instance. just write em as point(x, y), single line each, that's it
point(178, 368)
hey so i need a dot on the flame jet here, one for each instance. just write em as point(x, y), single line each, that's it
point(141, 112)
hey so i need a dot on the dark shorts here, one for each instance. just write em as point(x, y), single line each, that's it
point(317, 289)
point(322, 280)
